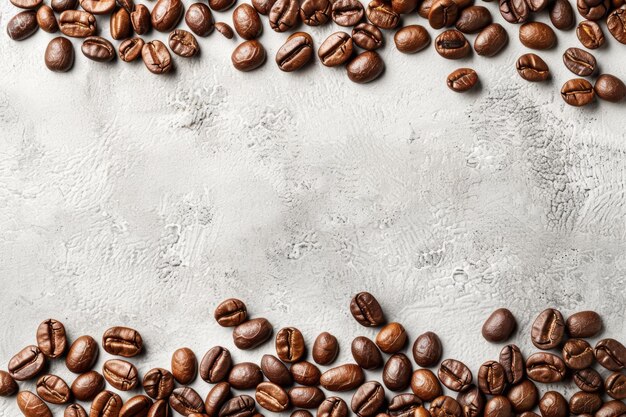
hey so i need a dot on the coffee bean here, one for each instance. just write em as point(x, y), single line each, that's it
point(248, 25)
point(77, 24)
point(616, 23)
point(60, 6)
point(411, 39)
point(272, 397)
point(615, 384)
point(403, 6)
point(295, 53)
point(532, 68)
point(289, 340)
point(391, 338)
point(184, 362)
point(514, 11)
point(590, 34)
point(276, 371)
point(248, 56)
point(492, 378)
point(83, 352)
point(86, 386)
point(160, 408)
point(305, 373)
point(333, 407)
point(240, 406)
point(26, 4)
point(141, 20)
point(121, 26)
point(200, 19)
point(529, 414)
point(538, 35)
point(215, 364)
point(562, 14)
point(306, 397)
point(31, 405)
point(553, 404)
point(536, 6)
point(8, 386)
point(523, 396)
point(75, 410)
point(22, 25)
point(584, 323)
point(424, 8)
point(584, 403)
point(610, 88)
point(546, 367)
point(28, 362)
point(404, 405)
point(121, 374)
point(381, 14)
point(221, 5)
point(186, 401)
point(166, 14)
point(130, 49)
point(498, 406)
point(47, 21)
point(315, 12)
point(122, 341)
point(348, 13)
point(610, 353)
point(225, 30)
point(184, 44)
point(367, 36)
point(445, 406)
point(452, 44)
point(443, 13)
point(245, 375)
point(98, 49)
point(472, 402)
point(263, 6)
point(473, 19)
point(397, 372)
point(53, 389)
point(548, 328)
point(129, 5)
point(425, 385)
point(577, 353)
point(366, 353)
point(455, 375)
point(98, 6)
point(301, 413)
point(137, 406)
point(284, 15)
point(342, 378)
point(365, 308)
point(427, 349)
point(588, 380)
point(491, 40)
point(368, 399)
point(332, 50)
point(613, 408)
point(500, 324)
point(593, 9)
point(106, 404)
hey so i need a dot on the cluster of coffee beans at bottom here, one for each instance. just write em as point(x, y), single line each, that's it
point(288, 382)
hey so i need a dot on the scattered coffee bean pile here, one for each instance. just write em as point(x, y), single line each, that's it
point(504, 388)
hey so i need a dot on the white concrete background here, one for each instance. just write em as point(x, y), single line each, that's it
point(128, 198)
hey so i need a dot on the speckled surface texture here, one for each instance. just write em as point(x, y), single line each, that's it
point(128, 198)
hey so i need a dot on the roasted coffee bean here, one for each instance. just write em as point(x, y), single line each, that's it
point(248, 25)
point(427, 349)
point(295, 53)
point(120, 24)
point(284, 15)
point(492, 377)
point(472, 402)
point(403, 6)
point(75, 410)
point(548, 328)
point(305, 373)
point(122, 341)
point(349, 13)
point(610, 353)
point(26, 4)
point(616, 23)
point(141, 20)
point(391, 338)
point(588, 380)
point(263, 6)
point(491, 40)
point(537, 5)
point(60, 6)
point(613, 408)
point(452, 44)
point(98, 6)
point(129, 5)
point(364, 306)
point(425, 385)
point(397, 372)
point(184, 44)
point(8, 386)
point(240, 406)
point(47, 21)
point(216, 364)
point(610, 88)
point(225, 30)
point(445, 406)
point(31, 405)
point(186, 401)
point(562, 14)
point(166, 14)
point(411, 39)
point(59, 57)
point(252, 333)
point(98, 49)
point(276, 371)
point(501, 323)
point(28, 362)
point(584, 323)
point(523, 396)
point(381, 14)
point(442, 13)
point(86, 386)
point(368, 399)
point(473, 19)
point(160, 408)
point(248, 56)
point(615, 383)
point(137, 406)
point(366, 353)
point(424, 8)
point(289, 340)
point(590, 34)
point(216, 397)
point(130, 49)
point(498, 406)
point(577, 353)
point(158, 383)
point(333, 407)
point(332, 50)
point(514, 11)
point(272, 397)
point(529, 414)
point(342, 378)
point(455, 375)
point(538, 35)
point(584, 403)
point(53, 389)
point(593, 9)
point(532, 68)
point(121, 374)
point(306, 397)
point(245, 375)
point(553, 404)
point(200, 19)
point(404, 405)
point(77, 24)
point(221, 5)
point(546, 367)
point(367, 36)
point(106, 404)
point(315, 12)
point(22, 25)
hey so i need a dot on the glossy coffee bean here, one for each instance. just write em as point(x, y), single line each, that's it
point(98, 6)
point(186, 401)
point(342, 378)
point(248, 25)
point(333, 407)
point(348, 13)
point(130, 49)
point(272, 397)
point(442, 13)
point(523, 396)
point(305, 373)
point(538, 35)
point(315, 12)
point(106, 404)
point(492, 378)
point(120, 24)
point(47, 21)
point(122, 341)
point(121, 374)
point(615, 385)
point(584, 403)
point(368, 399)
point(397, 372)
point(613, 408)
point(391, 338)
point(584, 323)
point(158, 383)
point(532, 68)
point(452, 44)
point(411, 39)
point(616, 24)
point(200, 20)
point(245, 375)
point(248, 56)
point(184, 363)
point(553, 404)
point(160, 408)
point(306, 397)
point(26, 4)
point(427, 349)
point(365, 308)
point(455, 375)
point(367, 36)
point(332, 50)
point(588, 380)
point(31, 405)
point(404, 405)
point(140, 19)
point(577, 353)
point(53, 389)
point(240, 406)
point(22, 25)
point(220, 5)
point(215, 365)
point(546, 367)
point(217, 396)
point(381, 14)
point(74, 410)
point(610, 88)
point(137, 406)
point(498, 406)
point(404, 6)
point(445, 406)
point(424, 8)
point(98, 49)
point(473, 19)
point(86, 386)
point(365, 67)
point(491, 40)
point(8, 386)
point(514, 11)
point(549, 327)
point(28, 362)
point(284, 15)
point(166, 14)
point(562, 14)
point(366, 353)
point(294, 54)
point(499, 325)
point(593, 9)
point(289, 340)
point(77, 24)
point(59, 57)
point(472, 402)
point(425, 385)
point(276, 371)
point(60, 6)
point(590, 35)
point(611, 354)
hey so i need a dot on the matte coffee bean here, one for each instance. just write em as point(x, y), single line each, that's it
point(523, 396)
point(368, 399)
point(590, 35)
point(130, 49)
point(492, 378)
point(404, 405)
point(245, 375)
point(381, 14)
point(28, 362)
point(121, 374)
point(443, 13)
point(160, 408)
point(553, 404)
point(588, 380)
point(616, 23)
point(577, 353)
point(284, 15)
point(538, 35)
point(342, 378)
point(59, 57)
point(98, 6)
point(549, 327)
point(411, 39)
point(106, 404)
point(75, 410)
point(491, 40)
point(348, 13)
point(8, 386)
point(613, 408)
point(22, 25)
point(225, 30)
point(137, 406)
point(366, 353)
point(333, 407)
point(473, 19)
point(546, 367)
point(584, 403)
point(215, 365)
point(367, 36)
point(391, 338)
point(122, 341)
point(584, 323)
point(240, 406)
point(610, 353)
point(200, 19)
point(26, 4)
point(184, 44)
point(276, 371)
point(332, 50)
point(501, 323)
point(593, 9)
point(252, 333)
point(120, 24)
point(98, 49)
point(306, 397)
point(289, 340)
point(514, 11)
point(186, 401)
point(77, 24)
point(425, 385)
point(86, 386)
point(397, 372)
point(60, 6)
point(365, 307)
point(53, 389)
point(272, 397)
point(455, 375)
point(315, 12)
point(427, 349)
point(610, 88)
point(532, 68)
point(295, 53)
point(140, 19)
point(445, 406)
point(166, 14)
point(615, 384)
point(562, 14)
point(216, 397)
point(31, 405)
point(305, 373)
point(452, 44)
point(472, 402)
point(47, 21)
point(248, 25)
point(498, 406)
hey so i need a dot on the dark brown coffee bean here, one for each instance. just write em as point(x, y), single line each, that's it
point(284, 15)
point(365, 308)
point(397, 372)
point(492, 377)
point(8, 386)
point(511, 357)
point(349, 13)
point(381, 14)
point(305, 373)
point(26, 4)
point(342, 378)
point(590, 34)
point(331, 52)
point(615, 383)
point(240, 406)
point(137, 406)
point(22, 25)
point(315, 12)
point(455, 375)
point(186, 401)
point(130, 49)
point(368, 399)
point(498, 406)
point(425, 385)
point(184, 44)
point(536, 6)
point(106, 404)
point(248, 25)
point(411, 39)
point(276, 371)
point(121, 374)
point(272, 397)
point(367, 36)
point(263, 6)
point(53, 389)
point(404, 405)
point(514, 11)
point(523, 396)
point(610, 353)
point(613, 408)
point(245, 375)
point(59, 57)
point(216, 364)
point(225, 30)
point(500, 324)
point(445, 406)
point(47, 21)
point(553, 404)
point(98, 49)
point(452, 44)
point(584, 323)
point(98, 6)
point(306, 397)
point(248, 56)
point(295, 53)
point(28, 362)
point(221, 5)
point(548, 328)
point(334, 51)
point(391, 338)
point(424, 8)
point(610, 88)
point(616, 23)
point(129, 5)
point(427, 349)
point(200, 19)
point(577, 353)
point(141, 20)
point(60, 6)
point(31, 405)
point(404, 6)
point(592, 9)
point(529, 414)
point(289, 340)
point(473, 19)
point(491, 40)
point(333, 407)
point(160, 408)
point(584, 403)
point(532, 68)
point(588, 380)
point(366, 353)
point(166, 14)
point(184, 363)
point(443, 13)
point(122, 341)
point(218, 395)
point(562, 14)
point(472, 402)
point(86, 386)
point(546, 367)
point(75, 410)
point(77, 24)
point(538, 35)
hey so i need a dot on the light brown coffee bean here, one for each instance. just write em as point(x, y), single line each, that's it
point(532, 68)
point(31, 405)
point(537, 35)
point(590, 34)
point(86, 386)
point(53, 389)
point(120, 24)
point(491, 40)
point(98, 49)
point(28, 362)
point(98, 7)
point(48, 22)
point(411, 39)
point(272, 397)
point(8, 386)
point(392, 337)
point(381, 14)
point(425, 385)
point(342, 378)
point(106, 404)
point(610, 88)
point(130, 49)
point(121, 374)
